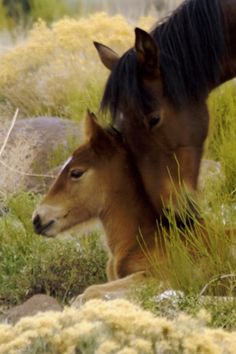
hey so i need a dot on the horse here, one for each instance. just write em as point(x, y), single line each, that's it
point(157, 91)
point(100, 180)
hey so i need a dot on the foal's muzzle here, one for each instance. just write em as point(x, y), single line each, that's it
point(39, 227)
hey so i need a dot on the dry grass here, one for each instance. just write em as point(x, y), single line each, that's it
point(56, 70)
point(15, 160)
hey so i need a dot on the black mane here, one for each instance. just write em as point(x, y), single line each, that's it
point(191, 43)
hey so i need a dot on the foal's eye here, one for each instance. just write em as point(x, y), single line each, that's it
point(154, 120)
point(76, 174)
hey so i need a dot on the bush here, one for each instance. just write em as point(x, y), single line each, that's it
point(56, 71)
point(113, 327)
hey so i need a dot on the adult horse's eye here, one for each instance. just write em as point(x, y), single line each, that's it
point(76, 174)
point(154, 120)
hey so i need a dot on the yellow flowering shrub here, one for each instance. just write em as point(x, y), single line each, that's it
point(56, 70)
point(113, 327)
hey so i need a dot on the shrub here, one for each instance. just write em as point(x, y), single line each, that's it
point(56, 71)
point(113, 327)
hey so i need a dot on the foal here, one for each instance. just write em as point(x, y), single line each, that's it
point(100, 180)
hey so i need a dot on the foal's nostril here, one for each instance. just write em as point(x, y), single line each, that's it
point(37, 223)
point(41, 227)
point(36, 220)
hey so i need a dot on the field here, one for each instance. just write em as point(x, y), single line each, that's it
point(52, 69)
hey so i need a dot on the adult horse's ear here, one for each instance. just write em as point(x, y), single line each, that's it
point(108, 57)
point(147, 51)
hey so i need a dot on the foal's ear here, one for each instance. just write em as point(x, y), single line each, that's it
point(108, 57)
point(147, 51)
point(96, 135)
point(94, 132)
point(91, 126)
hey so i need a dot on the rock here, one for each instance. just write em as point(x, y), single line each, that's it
point(37, 303)
point(30, 146)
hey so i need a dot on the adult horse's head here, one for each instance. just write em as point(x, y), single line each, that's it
point(157, 92)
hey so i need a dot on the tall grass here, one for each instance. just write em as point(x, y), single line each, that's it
point(222, 140)
point(56, 71)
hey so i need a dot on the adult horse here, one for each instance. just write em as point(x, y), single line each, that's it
point(157, 92)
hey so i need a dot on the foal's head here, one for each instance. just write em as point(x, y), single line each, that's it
point(89, 181)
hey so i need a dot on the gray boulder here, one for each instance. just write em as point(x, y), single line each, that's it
point(37, 303)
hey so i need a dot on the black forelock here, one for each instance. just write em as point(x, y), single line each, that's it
point(191, 43)
point(124, 87)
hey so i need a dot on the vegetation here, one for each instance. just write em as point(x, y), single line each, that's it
point(22, 13)
point(222, 141)
point(113, 327)
point(56, 71)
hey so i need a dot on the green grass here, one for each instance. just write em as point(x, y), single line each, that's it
point(221, 311)
point(221, 145)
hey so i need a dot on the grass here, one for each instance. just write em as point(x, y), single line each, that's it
point(221, 310)
point(222, 141)
point(200, 266)
point(56, 70)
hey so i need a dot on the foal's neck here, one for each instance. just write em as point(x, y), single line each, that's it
point(128, 215)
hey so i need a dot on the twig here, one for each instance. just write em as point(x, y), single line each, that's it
point(9, 131)
point(24, 173)
point(219, 277)
point(4, 145)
